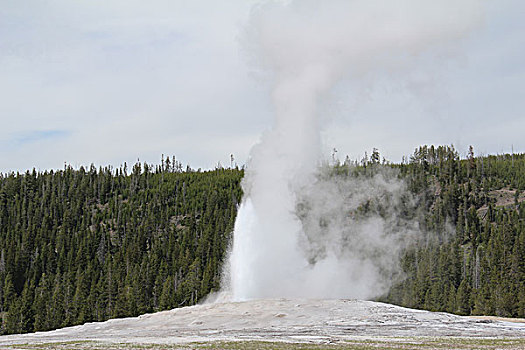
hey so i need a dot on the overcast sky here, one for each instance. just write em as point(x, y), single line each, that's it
point(106, 82)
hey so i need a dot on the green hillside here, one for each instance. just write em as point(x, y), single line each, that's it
point(91, 244)
point(473, 261)
point(88, 245)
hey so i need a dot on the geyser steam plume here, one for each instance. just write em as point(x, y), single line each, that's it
point(309, 45)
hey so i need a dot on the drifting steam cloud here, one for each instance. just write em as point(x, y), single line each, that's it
point(296, 233)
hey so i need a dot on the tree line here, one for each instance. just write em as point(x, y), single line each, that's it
point(88, 244)
point(472, 258)
point(92, 244)
point(469, 256)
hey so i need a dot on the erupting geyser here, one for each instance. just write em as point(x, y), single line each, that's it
point(309, 45)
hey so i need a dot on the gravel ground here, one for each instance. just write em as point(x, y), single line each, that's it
point(283, 323)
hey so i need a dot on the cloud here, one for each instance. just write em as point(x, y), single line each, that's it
point(138, 79)
point(122, 76)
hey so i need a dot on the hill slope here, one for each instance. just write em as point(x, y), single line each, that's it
point(91, 244)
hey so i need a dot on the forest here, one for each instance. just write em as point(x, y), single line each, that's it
point(473, 260)
point(89, 244)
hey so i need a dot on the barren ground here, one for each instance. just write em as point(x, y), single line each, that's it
point(283, 324)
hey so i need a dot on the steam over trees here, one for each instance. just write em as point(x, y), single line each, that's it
point(472, 260)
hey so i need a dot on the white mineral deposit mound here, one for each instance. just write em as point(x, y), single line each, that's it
point(297, 320)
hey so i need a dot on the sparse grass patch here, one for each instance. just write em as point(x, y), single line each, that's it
point(365, 344)
point(75, 344)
